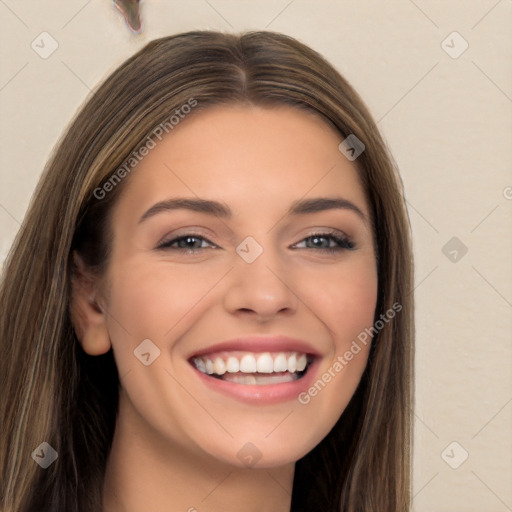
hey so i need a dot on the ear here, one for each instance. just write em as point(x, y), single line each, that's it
point(88, 316)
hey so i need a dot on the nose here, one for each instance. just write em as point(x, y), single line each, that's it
point(261, 289)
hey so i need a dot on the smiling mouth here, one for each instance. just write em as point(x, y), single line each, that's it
point(254, 368)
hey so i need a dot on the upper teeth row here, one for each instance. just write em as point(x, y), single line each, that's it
point(252, 363)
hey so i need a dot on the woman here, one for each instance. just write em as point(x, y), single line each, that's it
point(259, 369)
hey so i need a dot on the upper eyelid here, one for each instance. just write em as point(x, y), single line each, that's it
point(201, 232)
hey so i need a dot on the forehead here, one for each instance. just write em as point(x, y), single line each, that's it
point(249, 157)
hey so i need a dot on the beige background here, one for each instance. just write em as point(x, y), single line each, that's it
point(448, 122)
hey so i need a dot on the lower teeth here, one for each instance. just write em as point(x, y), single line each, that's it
point(259, 379)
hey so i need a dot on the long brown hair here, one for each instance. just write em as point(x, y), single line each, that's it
point(51, 391)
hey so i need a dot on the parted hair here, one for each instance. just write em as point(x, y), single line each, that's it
point(51, 391)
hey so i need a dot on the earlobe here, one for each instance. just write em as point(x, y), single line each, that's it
point(95, 340)
point(87, 315)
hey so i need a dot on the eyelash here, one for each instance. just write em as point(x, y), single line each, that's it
point(344, 243)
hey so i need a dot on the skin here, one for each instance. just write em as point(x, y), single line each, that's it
point(176, 440)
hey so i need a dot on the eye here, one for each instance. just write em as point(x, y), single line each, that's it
point(189, 243)
point(322, 242)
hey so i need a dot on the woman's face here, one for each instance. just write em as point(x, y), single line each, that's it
point(240, 283)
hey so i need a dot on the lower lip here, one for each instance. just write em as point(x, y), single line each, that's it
point(261, 394)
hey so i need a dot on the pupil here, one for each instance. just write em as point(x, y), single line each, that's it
point(186, 241)
point(318, 239)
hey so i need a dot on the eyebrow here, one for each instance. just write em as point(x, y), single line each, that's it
point(222, 210)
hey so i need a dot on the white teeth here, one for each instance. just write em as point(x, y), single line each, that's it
point(265, 363)
point(302, 361)
point(200, 364)
point(244, 379)
point(292, 363)
point(248, 364)
point(233, 365)
point(280, 363)
point(219, 366)
point(259, 380)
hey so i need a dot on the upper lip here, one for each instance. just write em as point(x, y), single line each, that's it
point(259, 344)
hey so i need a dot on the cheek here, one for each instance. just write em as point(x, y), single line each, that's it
point(345, 300)
point(153, 303)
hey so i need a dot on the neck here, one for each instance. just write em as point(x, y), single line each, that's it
point(146, 472)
